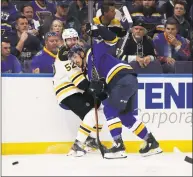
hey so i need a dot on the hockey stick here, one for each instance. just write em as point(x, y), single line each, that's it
point(188, 159)
point(95, 77)
point(127, 17)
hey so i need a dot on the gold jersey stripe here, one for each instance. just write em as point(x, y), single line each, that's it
point(116, 71)
point(62, 85)
point(78, 79)
point(74, 75)
point(66, 90)
point(113, 41)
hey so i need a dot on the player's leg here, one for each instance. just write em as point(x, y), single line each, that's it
point(91, 142)
point(115, 128)
point(150, 146)
point(82, 105)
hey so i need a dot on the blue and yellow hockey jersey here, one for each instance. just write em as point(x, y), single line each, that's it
point(106, 65)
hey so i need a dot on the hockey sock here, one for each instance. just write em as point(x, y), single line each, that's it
point(86, 126)
point(113, 122)
point(136, 126)
point(115, 127)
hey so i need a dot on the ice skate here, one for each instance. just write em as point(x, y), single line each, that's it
point(117, 151)
point(150, 147)
point(91, 144)
point(77, 150)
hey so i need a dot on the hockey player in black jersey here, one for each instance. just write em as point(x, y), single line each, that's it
point(70, 86)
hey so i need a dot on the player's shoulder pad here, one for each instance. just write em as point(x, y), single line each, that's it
point(63, 53)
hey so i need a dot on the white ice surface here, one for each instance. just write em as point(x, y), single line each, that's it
point(92, 164)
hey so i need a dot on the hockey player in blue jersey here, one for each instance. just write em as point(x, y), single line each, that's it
point(120, 82)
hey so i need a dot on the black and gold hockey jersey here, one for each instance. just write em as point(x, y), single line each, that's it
point(67, 76)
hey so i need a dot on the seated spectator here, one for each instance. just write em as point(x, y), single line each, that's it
point(58, 27)
point(42, 10)
point(108, 19)
point(167, 7)
point(179, 12)
point(79, 10)
point(28, 12)
point(24, 45)
point(9, 63)
point(139, 47)
point(153, 20)
point(43, 61)
point(62, 9)
point(83, 33)
point(134, 5)
point(118, 15)
point(171, 47)
point(83, 44)
point(8, 16)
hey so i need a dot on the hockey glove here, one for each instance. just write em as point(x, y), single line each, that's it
point(102, 96)
point(92, 30)
point(96, 87)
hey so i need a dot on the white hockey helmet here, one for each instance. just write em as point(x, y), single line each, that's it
point(69, 33)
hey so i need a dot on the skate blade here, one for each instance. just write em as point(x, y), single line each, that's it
point(76, 153)
point(152, 152)
point(117, 155)
point(89, 149)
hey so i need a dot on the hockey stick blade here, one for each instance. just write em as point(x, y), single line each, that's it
point(188, 159)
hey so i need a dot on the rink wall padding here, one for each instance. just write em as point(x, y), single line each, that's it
point(64, 147)
point(34, 123)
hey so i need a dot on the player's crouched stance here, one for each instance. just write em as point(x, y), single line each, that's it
point(120, 82)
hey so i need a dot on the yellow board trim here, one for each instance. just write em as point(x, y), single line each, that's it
point(64, 147)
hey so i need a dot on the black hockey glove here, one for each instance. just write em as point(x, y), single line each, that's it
point(102, 96)
point(92, 30)
point(96, 87)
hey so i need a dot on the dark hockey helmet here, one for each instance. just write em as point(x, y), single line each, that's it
point(76, 49)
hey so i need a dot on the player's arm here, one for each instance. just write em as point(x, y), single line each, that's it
point(76, 76)
point(107, 35)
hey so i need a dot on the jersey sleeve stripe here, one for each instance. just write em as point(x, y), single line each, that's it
point(75, 75)
point(116, 70)
point(79, 80)
point(114, 41)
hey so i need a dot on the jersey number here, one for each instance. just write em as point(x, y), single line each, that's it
point(69, 66)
